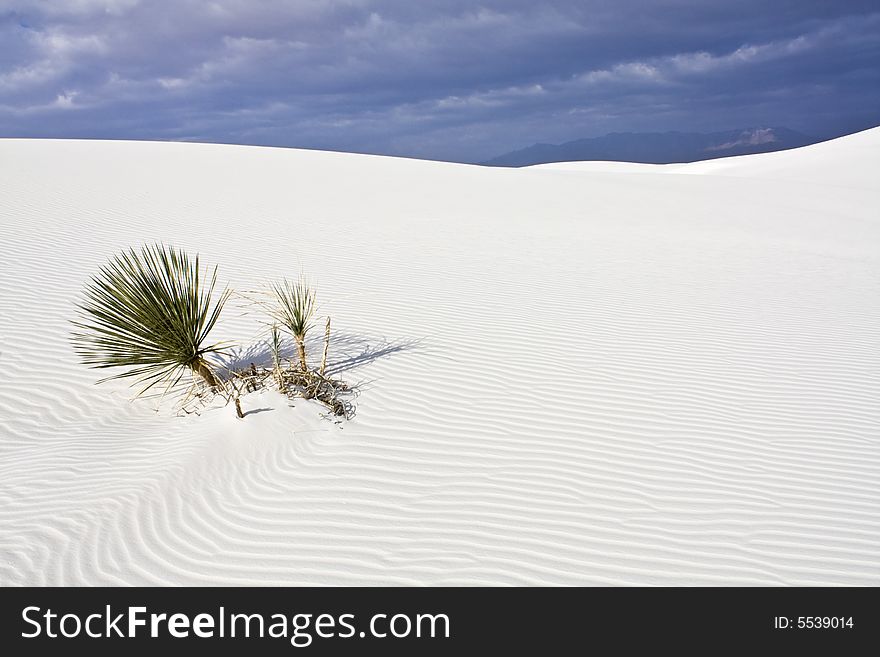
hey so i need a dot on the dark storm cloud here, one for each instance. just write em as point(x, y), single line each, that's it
point(455, 80)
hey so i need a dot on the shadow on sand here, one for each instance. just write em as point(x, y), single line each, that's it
point(348, 351)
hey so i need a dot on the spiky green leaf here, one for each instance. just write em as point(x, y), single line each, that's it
point(295, 306)
point(149, 311)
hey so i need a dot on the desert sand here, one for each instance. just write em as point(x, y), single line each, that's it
point(591, 373)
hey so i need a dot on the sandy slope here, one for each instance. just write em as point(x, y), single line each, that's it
point(850, 161)
point(605, 376)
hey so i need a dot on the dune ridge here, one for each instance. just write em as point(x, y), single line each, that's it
point(598, 376)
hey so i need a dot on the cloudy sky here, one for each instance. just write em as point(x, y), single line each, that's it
point(446, 79)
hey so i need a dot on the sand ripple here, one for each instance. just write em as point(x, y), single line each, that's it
point(568, 377)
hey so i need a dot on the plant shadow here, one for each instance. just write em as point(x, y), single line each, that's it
point(348, 351)
point(258, 410)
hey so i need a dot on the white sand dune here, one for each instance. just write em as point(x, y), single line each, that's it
point(593, 374)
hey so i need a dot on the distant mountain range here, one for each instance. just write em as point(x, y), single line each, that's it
point(658, 147)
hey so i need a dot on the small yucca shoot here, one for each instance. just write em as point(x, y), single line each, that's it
point(150, 311)
point(275, 348)
point(295, 306)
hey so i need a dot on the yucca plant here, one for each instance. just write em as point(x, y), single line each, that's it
point(150, 311)
point(294, 308)
point(275, 349)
